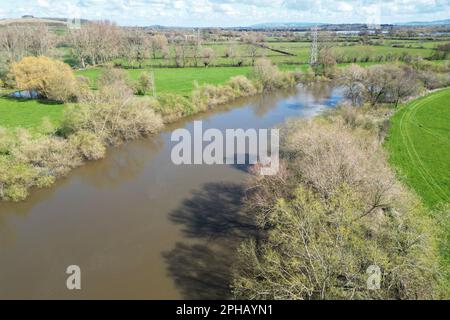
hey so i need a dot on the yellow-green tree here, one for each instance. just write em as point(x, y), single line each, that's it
point(52, 79)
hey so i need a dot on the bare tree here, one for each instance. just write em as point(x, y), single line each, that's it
point(180, 55)
point(196, 54)
point(158, 44)
point(208, 56)
point(80, 43)
point(232, 53)
point(376, 84)
point(11, 43)
point(252, 52)
point(404, 84)
point(136, 45)
point(351, 78)
point(253, 43)
point(96, 42)
point(40, 40)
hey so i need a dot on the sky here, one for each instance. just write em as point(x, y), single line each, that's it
point(228, 13)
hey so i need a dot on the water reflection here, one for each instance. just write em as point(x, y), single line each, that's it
point(263, 104)
point(123, 163)
point(315, 96)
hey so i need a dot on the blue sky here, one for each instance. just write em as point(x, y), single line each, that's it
point(231, 12)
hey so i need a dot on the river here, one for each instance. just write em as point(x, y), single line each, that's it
point(138, 226)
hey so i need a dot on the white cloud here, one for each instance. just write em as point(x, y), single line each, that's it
point(43, 3)
point(344, 6)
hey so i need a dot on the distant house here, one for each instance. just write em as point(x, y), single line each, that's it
point(27, 16)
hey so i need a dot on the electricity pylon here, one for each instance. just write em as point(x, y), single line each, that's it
point(314, 46)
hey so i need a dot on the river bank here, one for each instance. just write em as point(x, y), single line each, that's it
point(110, 116)
point(139, 226)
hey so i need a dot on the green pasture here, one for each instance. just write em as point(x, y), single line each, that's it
point(419, 146)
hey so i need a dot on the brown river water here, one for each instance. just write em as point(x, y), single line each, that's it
point(139, 226)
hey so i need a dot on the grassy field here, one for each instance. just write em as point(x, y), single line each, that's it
point(419, 146)
point(178, 80)
point(28, 113)
point(344, 52)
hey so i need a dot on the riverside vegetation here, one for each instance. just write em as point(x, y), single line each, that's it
point(335, 209)
point(95, 119)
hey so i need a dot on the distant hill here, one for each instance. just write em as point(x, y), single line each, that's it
point(32, 20)
point(425, 23)
point(299, 25)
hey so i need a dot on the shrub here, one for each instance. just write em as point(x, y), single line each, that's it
point(110, 76)
point(138, 119)
point(114, 121)
point(172, 107)
point(53, 155)
point(298, 76)
point(308, 76)
point(242, 86)
point(27, 162)
point(209, 96)
point(15, 178)
point(266, 73)
point(89, 146)
point(285, 80)
point(432, 80)
point(144, 84)
point(328, 156)
point(269, 77)
point(52, 79)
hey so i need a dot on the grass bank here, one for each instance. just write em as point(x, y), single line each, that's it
point(28, 114)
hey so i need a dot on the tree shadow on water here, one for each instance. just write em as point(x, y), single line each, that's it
point(215, 211)
point(199, 272)
point(214, 220)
